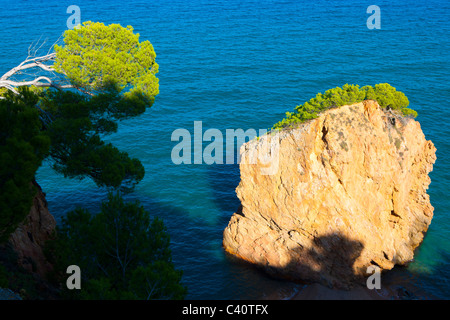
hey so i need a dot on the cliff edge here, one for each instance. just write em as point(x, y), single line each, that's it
point(348, 192)
point(29, 238)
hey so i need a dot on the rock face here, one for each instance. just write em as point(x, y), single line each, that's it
point(29, 238)
point(348, 192)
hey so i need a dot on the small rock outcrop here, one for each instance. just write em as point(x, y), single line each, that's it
point(30, 236)
point(348, 192)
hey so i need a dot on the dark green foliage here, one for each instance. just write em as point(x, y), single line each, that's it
point(19, 280)
point(386, 95)
point(23, 146)
point(160, 277)
point(67, 127)
point(116, 73)
point(123, 253)
point(78, 122)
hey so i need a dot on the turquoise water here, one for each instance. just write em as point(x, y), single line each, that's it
point(243, 64)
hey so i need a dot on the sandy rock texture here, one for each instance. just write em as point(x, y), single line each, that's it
point(345, 191)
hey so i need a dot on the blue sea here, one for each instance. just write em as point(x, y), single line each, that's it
point(243, 64)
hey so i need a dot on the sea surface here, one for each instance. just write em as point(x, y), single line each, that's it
point(243, 64)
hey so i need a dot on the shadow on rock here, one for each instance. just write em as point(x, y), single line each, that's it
point(330, 261)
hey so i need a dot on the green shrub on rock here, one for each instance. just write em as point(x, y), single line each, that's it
point(386, 96)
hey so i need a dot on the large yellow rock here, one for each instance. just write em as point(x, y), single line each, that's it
point(348, 190)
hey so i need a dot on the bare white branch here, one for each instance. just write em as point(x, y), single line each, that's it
point(40, 69)
point(38, 62)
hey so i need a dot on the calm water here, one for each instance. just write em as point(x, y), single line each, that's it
point(243, 64)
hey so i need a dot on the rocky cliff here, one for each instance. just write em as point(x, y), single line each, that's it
point(29, 238)
point(349, 191)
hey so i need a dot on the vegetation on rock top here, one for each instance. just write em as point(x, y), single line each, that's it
point(386, 96)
